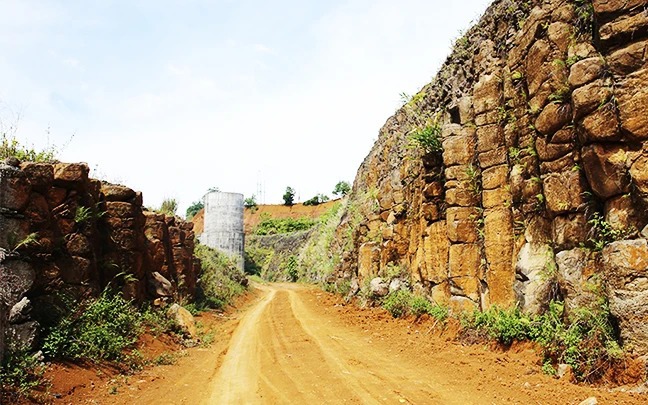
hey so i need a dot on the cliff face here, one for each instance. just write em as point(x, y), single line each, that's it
point(64, 235)
point(540, 191)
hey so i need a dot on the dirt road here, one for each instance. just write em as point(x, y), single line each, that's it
point(284, 352)
point(294, 344)
point(286, 349)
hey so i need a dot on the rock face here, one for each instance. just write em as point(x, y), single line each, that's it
point(542, 127)
point(625, 265)
point(62, 232)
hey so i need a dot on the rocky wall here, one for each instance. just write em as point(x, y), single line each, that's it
point(66, 236)
point(540, 189)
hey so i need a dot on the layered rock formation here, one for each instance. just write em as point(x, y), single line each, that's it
point(64, 235)
point(542, 111)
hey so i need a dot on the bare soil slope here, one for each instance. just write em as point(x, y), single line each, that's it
point(296, 344)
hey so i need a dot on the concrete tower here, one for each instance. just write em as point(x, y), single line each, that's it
point(223, 224)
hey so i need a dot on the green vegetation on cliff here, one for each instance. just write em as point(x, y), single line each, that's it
point(273, 226)
point(220, 281)
point(10, 147)
point(294, 249)
point(586, 339)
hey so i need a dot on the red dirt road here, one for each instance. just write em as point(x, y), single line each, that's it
point(295, 344)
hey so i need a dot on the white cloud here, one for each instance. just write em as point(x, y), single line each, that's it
point(263, 49)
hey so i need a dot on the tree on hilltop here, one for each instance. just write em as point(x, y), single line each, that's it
point(342, 188)
point(289, 196)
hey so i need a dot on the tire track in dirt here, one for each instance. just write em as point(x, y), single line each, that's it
point(282, 352)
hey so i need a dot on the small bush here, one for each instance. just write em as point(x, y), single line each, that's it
point(317, 200)
point(505, 326)
point(420, 306)
point(20, 372)
point(156, 320)
point(397, 303)
point(97, 329)
point(169, 207)
point(402, 303)
point(193, 209)
point(165, 359)
point(428, 138)
point(10, 147)
point(585, 340)
point(292, 268)
point(250, 203)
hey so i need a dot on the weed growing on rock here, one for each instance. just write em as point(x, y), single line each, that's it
point(474, 179)
point(428, 138)
point(169, 207)
point(585, 15)
point(602, 233)
point(10, 147)
point(85, 214)
point(20, 372)
point(15, 244)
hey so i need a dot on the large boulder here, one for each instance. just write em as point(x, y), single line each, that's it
point(184, 320)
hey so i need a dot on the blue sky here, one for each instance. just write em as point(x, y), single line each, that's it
point(174, 97)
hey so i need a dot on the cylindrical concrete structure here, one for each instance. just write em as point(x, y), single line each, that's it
point(223, 224)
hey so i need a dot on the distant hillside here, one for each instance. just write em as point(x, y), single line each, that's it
point(251, 218)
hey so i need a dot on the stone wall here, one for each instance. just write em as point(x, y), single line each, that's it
point(542, 111)
point(64, 235)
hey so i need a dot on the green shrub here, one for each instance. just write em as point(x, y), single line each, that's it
point(317, 200)
point(10, 147)
point(419, 306)
point(169, 207)
point(156, 320)
point(292, 268)
point(96, 329)
point(428, 138)
point(505, 326)
point(20, 372)
point(585, 340)
point(402, 303)
point(250, 202)
point(193, 209)
point(397, 303)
